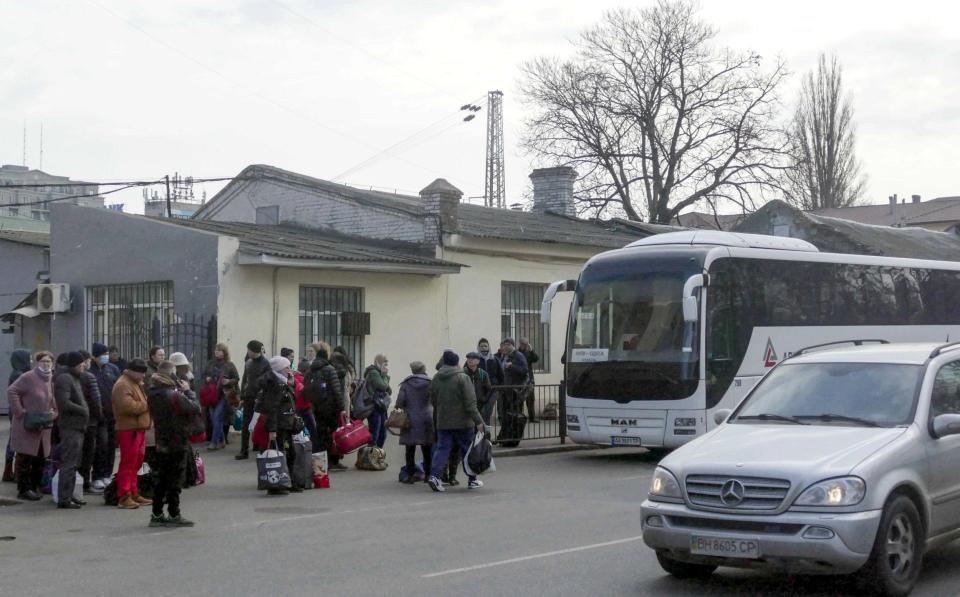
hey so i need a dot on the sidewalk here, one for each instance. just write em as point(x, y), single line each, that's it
point(542, 446)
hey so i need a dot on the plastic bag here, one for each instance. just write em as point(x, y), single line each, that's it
point(272, 471)
point(55, 489)
point(479, 457)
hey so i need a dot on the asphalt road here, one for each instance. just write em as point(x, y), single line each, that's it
point(556, 524)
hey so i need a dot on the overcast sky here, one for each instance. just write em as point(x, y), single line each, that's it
point(130, 89)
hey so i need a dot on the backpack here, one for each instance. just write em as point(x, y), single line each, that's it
point(363, 403)
point(371, 458)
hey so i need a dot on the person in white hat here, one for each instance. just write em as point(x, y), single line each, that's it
point(184, 369)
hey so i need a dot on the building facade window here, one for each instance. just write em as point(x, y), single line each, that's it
point(269, 215)
point(520, 318)
point(128, 315)
point(322, 317)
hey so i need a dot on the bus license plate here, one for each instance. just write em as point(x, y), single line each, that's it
point(725, 548)
point(619, 440)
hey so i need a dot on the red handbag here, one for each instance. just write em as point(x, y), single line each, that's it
point(209, 395)
point(350, 436)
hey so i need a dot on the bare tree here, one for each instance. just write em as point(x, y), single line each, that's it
point(655, 118)
point(826, 172)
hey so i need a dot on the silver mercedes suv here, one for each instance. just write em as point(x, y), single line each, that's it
point(841, 460)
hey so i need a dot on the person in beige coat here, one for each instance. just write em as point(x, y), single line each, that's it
point(132, 415)
point(31, 392)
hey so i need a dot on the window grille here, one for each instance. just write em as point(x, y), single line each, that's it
point(123, 315)
point(520, 318)
point(322, 311)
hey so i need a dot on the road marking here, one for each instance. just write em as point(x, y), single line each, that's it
point(532, 557)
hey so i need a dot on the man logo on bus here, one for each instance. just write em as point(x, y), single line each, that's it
point(770, 355)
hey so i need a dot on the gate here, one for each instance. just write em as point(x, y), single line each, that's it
point(193, 335)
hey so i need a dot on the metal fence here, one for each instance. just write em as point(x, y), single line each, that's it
point(192, 334)
point(543, 405)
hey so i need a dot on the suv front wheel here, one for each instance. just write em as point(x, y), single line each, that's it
point(894, 563)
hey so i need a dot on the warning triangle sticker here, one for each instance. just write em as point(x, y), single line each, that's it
point(770, 355)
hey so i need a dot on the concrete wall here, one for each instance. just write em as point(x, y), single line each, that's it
point(19, 264)
point(93, 247)
point(316, 208)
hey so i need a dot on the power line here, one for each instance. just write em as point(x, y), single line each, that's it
point(100, 184)
point(67, 198)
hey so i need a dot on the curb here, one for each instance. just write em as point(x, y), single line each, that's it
point(512, 452)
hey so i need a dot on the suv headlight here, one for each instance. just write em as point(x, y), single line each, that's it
point(664, 485)
point(842, 491)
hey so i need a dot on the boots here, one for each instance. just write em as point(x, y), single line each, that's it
point(8, 476)
point(127, 502)
point(141, 500)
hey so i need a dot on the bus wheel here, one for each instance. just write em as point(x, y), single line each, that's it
point(683, 569)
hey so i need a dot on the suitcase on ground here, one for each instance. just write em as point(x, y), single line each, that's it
point(512, 430)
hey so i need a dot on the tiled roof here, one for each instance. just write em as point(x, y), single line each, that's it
point(299, 243)
point(944, 209)
point(26, 237)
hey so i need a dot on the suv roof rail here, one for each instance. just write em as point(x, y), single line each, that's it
point(944, 348)
point(826, 344)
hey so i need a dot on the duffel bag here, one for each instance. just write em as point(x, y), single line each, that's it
point(350, 436)
point(371, 458)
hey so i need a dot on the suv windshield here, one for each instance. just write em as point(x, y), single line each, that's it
point(857, 394)
point(627, 330)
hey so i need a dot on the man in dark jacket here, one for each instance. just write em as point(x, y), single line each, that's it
point(91, 438)
point(455, 409)
point(253, 372)
point(490, 363)
point(72, 424)
point(106, 374)
point(321, 386)
point(533, 358)
point(515, 371)
point(19, 364)
point(172, 409)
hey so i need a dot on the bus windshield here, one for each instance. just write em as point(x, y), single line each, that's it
point(627, 333)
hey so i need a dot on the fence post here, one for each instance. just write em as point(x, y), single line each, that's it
point(563, 411)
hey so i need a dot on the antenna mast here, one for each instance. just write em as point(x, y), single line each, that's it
point(24, 142)
point(493, 191)
point(40, 167)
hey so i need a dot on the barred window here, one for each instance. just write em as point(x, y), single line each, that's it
point(520, 318)
point(322, 315)
point(124, 315)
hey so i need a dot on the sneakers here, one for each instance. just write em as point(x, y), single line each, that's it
point(436, 485)
point(475, 484)
point(179, 521)
point(98, 486)
point(142, 500)
point(158, 521)
point(127, 502)
point(93, 489)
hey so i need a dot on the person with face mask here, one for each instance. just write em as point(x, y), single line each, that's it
point(32, 392)
point(106, 374)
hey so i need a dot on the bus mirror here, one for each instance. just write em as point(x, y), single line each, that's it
point(690, 311)
point(546, 306)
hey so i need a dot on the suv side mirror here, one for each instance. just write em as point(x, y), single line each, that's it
point(721, 416)
point(944, 425)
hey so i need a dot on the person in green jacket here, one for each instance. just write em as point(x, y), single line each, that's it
point(377, 378)
point(454, 404)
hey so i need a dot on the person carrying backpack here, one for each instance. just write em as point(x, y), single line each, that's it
point(321, 387)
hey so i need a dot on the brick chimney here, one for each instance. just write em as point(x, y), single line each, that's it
point(441, 201)
point(915, 198)
point(553, 190)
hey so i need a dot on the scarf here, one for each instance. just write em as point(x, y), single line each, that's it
point(44, 375)
point(280, 377)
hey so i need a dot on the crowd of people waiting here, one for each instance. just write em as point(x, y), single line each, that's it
point(82, 407)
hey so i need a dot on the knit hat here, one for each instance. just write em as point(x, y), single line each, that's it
point(137, 366)
point(509, 341)
point(255, 346)
point(279, 363)
point(99, 349)
point(474, 355)
point(73, 359)
point(179, 359)
point(450, 358)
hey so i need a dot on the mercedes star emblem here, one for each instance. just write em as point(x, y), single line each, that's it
point(731, 494)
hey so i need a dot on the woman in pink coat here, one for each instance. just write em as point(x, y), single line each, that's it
point(33, 391)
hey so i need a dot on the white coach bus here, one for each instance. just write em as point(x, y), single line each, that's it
point(673, 327)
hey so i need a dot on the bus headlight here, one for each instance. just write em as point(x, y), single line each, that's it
point(664, 486)
point(842, 491)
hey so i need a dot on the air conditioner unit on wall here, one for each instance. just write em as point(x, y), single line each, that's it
point(53, 298)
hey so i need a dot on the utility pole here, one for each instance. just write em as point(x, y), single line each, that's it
point(493, 191)
point(166, 178)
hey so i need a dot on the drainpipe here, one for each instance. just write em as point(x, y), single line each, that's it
point(276, 311)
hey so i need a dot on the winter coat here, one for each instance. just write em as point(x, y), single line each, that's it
point(19, 364)
point(254, 371)
point(481, 385)
point(277, 403)
point(172, 412)
point(151, 371)
point(322, 389)
point(532, 359)
point(516, 373)
point(130, 408)
point(414, 398)
point(492, 366)
point(376, 380)
point(30, 392)
point(91, 393)
point(218, 370)
point(453, 399)
point(71, 403)
point(106, 375)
